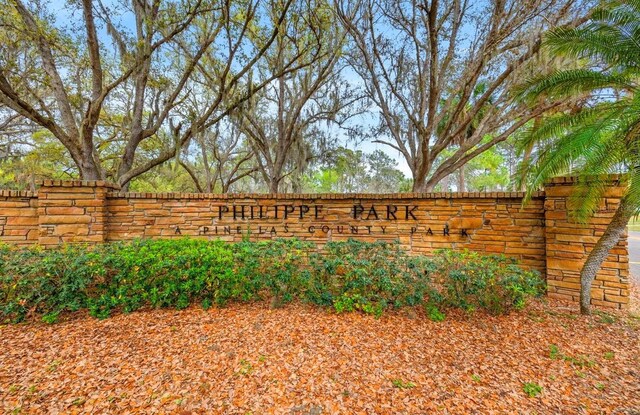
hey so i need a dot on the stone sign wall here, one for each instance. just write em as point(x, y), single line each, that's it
point(540, 233)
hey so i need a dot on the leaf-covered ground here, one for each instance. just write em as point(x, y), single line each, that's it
point(303, 360)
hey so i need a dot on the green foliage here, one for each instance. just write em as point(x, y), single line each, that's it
point(599, 135)
point(50, 318)
point(278, 266)
point(166, 273)
point(487, 172)
point(401, 384)
point(370, 277)
point(496, 283)
point(47, 159)
point(434, 313)
point(355, 171)
point(532, 389)
point(348, 276)
point(580, 361)
point(34, 281)
point(605, 318)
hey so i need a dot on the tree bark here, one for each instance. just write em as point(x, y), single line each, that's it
point(89, 170)
point(461, 179)
point(274, 184)
point(422, 185)
point(600, 251)
point(419, 184)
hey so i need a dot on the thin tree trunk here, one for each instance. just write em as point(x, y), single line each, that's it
point(192, 174)
point(461, 179)
point(599, 253)
point(525, 159)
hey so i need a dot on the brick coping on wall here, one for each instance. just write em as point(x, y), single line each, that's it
point(77, 183)
point(17, 193)
point(337, 196)
point(174, 195)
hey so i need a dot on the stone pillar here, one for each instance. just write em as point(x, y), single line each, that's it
point(568, 243)
point(72, 211)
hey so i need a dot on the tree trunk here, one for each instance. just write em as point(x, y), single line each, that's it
point(126, 163)
point(600, 251)
point(274, 184)
point(525, 159)
point(419, 184)
point(89, 170)
point(461, 179)
point(422, 186)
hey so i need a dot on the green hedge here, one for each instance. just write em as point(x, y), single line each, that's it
point(347, 276)
point(492, 282)
point(368, 276)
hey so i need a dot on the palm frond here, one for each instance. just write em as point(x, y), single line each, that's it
point(602, 136)
point(554, 159)
point(572, 82)
point(592, 43)
point(620, 13)
point(633, 191)
point(557, 125)
point(600, 160)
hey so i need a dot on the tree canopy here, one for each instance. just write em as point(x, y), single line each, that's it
point(266, 95)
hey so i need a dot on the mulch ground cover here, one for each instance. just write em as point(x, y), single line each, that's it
point(250, 359)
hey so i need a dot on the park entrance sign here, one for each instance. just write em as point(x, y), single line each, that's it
point(540, 234)
point(360, 221)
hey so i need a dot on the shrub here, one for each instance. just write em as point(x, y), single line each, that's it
point(347, 276)
point(496, 283)
point(166, 273)
point(370, 277)
point(157, 273)
point(434, 313)
point(279, 268)
point(532, 389)
point(35, 281)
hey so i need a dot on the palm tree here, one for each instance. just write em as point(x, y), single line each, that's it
point(601, 137)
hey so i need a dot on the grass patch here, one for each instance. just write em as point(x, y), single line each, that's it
point(532, 389)
point(579, 361)
point(401, 384)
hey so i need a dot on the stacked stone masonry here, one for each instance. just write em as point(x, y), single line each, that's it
point(568, 243)
point(540, 233)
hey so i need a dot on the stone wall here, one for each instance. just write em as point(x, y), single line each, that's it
point(568, 243)
point(18, 217)
point(492, 222)
point(73, 211)
point(540, 233)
